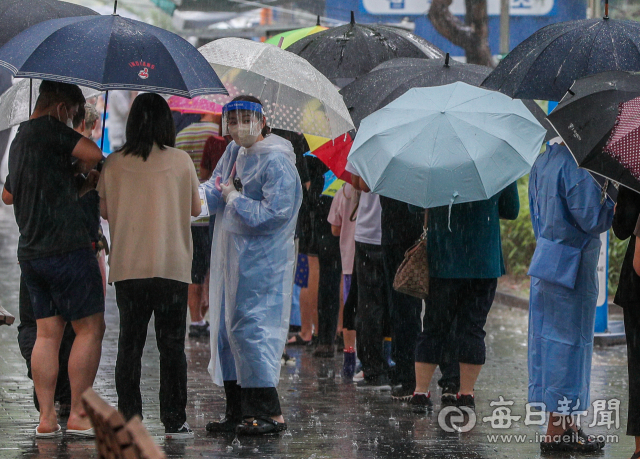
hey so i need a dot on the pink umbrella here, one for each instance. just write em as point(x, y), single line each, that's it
point(198, 105)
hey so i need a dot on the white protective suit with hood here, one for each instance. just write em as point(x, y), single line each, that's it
point(252, 262)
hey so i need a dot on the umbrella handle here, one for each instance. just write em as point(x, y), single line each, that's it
point(30, 96)
point(606, 9)
point(104, 119)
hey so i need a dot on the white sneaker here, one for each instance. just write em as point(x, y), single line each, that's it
point(358, 376)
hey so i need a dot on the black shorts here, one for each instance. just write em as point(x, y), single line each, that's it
point(201, 253)
point(69, 285)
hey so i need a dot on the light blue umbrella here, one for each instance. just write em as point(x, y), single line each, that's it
point(446, 144)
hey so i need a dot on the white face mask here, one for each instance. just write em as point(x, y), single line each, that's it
point(69, 120)
point(245, 135)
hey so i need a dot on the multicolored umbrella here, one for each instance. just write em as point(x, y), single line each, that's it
point(198, 105)
point(333, 154)
point(293, 36)
point(332, 184)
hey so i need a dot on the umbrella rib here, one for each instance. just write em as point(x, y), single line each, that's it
point(573, 43)
point(475, 166)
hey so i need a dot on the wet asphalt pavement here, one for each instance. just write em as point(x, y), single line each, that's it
point(327, 417)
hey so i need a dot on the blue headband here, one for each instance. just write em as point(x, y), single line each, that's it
point(243, 105)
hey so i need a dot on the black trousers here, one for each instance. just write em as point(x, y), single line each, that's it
point(27, 333)
point(632, 330)
point(328, 288)
point(251, 402)
point(458, 309)
point(405, 320)
point(373, 309)
point(167, 299)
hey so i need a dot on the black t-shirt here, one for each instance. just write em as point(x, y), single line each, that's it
point(45, 195)
point(399, 225)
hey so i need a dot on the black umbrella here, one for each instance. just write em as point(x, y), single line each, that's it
point(585, 116)
point(547, 63)
point(349, 51)
point(393, 78)
point(19, 15)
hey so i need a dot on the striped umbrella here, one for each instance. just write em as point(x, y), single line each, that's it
point(292, 36)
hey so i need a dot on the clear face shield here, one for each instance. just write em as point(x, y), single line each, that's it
point(243, 121)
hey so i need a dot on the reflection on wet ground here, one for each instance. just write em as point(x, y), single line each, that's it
point(327, 417)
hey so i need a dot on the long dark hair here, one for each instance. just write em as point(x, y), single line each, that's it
point(149, 122)
point(266, 130)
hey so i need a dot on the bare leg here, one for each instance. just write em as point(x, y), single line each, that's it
point(102, 262)
point(309, 301)
point(205, 296)
point(349, 338)
point(424, 373)
point(468, 377)
point(563, 423)
point(195, 302)
point(83, 365)
point(44, 368)
point(340, 313)
point(637, 444)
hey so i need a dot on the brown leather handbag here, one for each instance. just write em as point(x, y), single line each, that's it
point(412, 277)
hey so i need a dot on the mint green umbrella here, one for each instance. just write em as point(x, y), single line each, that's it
point(446, 144)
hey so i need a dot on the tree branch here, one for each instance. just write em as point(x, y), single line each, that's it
point(472, 35)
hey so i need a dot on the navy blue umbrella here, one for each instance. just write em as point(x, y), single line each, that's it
point(546, 64)
point(110, 52)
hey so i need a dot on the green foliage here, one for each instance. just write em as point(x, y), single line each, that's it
point(518, 242)
point(617, 250)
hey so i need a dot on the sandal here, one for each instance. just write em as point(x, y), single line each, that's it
point(260, 426)
point(297, 341)
point(226, 425)
point(572, 441)
point(55, 433)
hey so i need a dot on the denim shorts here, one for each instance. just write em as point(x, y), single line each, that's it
point(69, 285)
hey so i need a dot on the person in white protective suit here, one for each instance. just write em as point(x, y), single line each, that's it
point(255, 193)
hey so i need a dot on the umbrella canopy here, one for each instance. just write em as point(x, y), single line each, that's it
point(198, 105)
point(547, 63)
point(296, 97)
point(110, 52)
point(446, 144)
point(333, 154)
point(18, 15)
point(14, 103)
point(587, 114)
point(349, 51)
point(393, 78)
point(624, 143)
point(292, 36)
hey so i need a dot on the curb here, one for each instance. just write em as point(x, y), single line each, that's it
point(614, 336)
point(512, 301)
